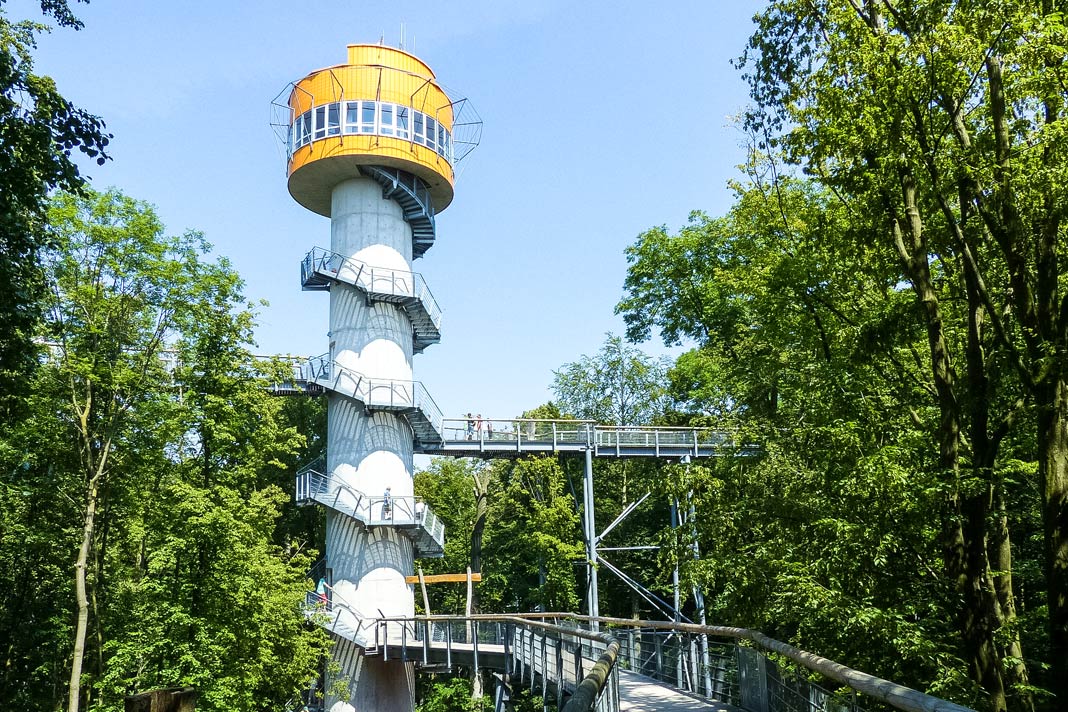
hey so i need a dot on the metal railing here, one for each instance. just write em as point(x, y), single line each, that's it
point(492, 430)
point(565, 662)
point(372, 392)
point(332, 611)
point(752, 671)
point(558, 653)
point(584, 433)
point(372, 280)
point(396, 511)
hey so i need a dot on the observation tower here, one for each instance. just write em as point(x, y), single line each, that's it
point(371, 145)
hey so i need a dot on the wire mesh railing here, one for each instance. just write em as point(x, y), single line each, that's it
point(493, 433)
point(383, 393)
point(751, 671)
point(381, 510)
point(374, 281)
point(558, 655)
point(574, 665)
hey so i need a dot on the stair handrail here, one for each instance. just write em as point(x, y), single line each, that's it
point(418, 512)
point(338, 488)
point(322, 369)
point(330, 263)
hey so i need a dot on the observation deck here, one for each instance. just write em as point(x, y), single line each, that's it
point(408, 514)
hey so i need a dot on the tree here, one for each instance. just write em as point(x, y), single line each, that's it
point(531, 539)
point(807, 337)
point(940, 126)
point(619, 386)
point(152, 426)
point(459, 492)
point(39, 130)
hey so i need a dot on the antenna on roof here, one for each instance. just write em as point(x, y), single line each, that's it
point(402, 35)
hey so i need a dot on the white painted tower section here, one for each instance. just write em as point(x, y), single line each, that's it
point(369, 451)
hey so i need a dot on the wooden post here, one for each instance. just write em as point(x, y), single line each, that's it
point(174, 699)
point(467, 608)
point(422, 585)
point(470, 592)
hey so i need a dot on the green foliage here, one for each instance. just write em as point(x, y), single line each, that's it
point(805, 342)
point(449, 488)
point(451, 695)
point(152, 444)
point(530, 528)
point(620, 385)
point(38, 131)
point(532, 540)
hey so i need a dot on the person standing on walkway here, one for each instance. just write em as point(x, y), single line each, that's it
point(478, 426)
point(470, 427)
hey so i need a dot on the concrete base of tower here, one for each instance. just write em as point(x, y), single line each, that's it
point(368, 683)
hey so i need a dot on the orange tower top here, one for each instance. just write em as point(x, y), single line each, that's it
point(383, 107)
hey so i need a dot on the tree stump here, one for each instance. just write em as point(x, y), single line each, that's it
point(172, 699)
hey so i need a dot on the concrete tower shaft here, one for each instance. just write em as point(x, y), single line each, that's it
point(370, 146)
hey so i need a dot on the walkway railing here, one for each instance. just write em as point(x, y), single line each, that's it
point(534, 435)
point(558, 653)
point(565, 662)
point(750, 670)
point(381, 393)
point(377, 282)
point(332, 611)
point(403, 512)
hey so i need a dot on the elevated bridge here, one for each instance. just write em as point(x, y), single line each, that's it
point(488, 438)
point(613, 664)
point(493, 438)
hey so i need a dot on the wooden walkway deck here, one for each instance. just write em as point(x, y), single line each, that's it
point(638, 693)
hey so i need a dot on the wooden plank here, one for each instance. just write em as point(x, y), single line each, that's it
point(443, 578)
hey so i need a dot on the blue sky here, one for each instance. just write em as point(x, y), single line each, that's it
point(600, 120)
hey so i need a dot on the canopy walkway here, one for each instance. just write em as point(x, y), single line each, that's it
point(612, 664)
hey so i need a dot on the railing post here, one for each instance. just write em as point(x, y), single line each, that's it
point(533, 667)
point(660, 675)
point(474, 643)
point(509, 628)
point(578, 661)
point(559, 662)
point(544, 667)
point(630, 649)
point(517, 650)
point(426, 640)
point(680, 662)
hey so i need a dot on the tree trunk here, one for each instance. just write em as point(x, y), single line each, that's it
point(964, 519)
point(74, 695)
point(999, 546)
point(1053, 472)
